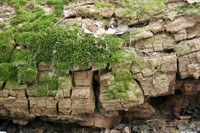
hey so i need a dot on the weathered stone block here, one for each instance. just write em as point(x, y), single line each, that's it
point(180, 35)
point(181, 23)
point(64, 87)
point(82, 92)
point(156, 27)
point(193, 31)
point(43, 106)
point(189, 66)
point(139, 34)
point(189, 46)
point(64, 106)
point(134, 97)
point(158, 77)
point(156, 43)
point(84, 78)
point(98, 120)
point(141, 111)
point(83, 100)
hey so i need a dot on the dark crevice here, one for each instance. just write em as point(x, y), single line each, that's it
point(57, 108)
point(3, 85)
point(27, 97)
point(178, 92)
point(96, 89)
point(140, 86)
point(169, 51)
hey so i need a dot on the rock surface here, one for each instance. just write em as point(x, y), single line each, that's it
point(161, 57)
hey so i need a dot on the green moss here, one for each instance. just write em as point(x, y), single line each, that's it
point(2, 25)
point(74, 51)
point(6, 45)
point(7, 71)
point(1, 2)
point(27, 16)
point(21, 58)
point(129, 7)
point(190, 9)
point(47, 86)
point(99, 4)
point(26, 74)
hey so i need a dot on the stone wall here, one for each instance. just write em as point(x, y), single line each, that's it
point(162, 56)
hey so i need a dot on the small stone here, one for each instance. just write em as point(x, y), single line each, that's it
point(1, 20)
point(107, 12)
point(115, 131)
point(182, 126)
point(107, 130)
point(127, 130)
point(156, 27)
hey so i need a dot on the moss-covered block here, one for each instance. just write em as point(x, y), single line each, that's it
point(42, 90)
point(14, 85)
point(7, 71)
point(5, 51)
point(46, 86)
point(65, 85)
point(21, 58)
point(26, 74)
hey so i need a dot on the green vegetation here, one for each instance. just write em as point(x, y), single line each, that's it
point(123, 77)
point(7, 71)
point(33, 38)
point(190, 9)
point(36, 37)
point(26, 74)
point(131, 6)
point(47, 86)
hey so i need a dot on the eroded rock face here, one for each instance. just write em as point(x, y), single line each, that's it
point(159, 57)
point(188, 52)
point(156, 74)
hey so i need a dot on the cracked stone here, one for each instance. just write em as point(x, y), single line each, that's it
point(180, 35)
point(180, 23)
point(156, 27)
